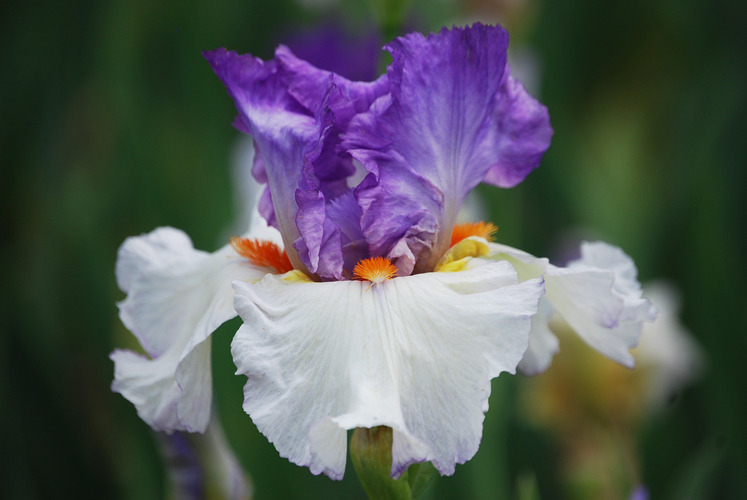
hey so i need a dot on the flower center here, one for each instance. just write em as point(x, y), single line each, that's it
point(262, 253)
point(375, 269)
point(482, 229)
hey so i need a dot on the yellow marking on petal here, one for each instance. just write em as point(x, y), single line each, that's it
point(460, 254)
point(376, 270)
point(296, 276)
point(482, 229)
point(262, 253)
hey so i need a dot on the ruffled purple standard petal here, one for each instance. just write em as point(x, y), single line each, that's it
point(309, 84)
point(453, 117)
point(318, 245)
point(294, 113)
point(259, 172)
point(322, 247)
point(266, 208)
point(346, 214)
point(523, 134)
point(284, 132)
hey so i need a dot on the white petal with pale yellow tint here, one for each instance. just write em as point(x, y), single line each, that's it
point(176, 297)
point(543, 344)
point(415, 353)
point(603, 256)
point(586, 301)
point(598, 296)
point(668, 352)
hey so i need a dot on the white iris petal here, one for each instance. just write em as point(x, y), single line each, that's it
point(626, 285)
point(598, 296)
point(543, 344)
point(176, 297)
point(667, 350)
point(415, 353)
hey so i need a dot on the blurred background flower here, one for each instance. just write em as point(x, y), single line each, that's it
point(596, 409)
point(112, 124)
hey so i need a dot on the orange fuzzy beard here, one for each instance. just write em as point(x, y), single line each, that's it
point(482, 229)
point(262, 253)
point(375, 270)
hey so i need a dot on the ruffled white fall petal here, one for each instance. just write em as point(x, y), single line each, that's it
point(415, 353)
point(598, 295)
point(543, 344)
point(176, 297)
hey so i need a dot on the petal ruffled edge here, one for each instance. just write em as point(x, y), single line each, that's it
point(295, 113)
point(416, 354)
point(635, 309)
point(598, 296)
point(176, 297)
point(170, 393)
point(454, 118)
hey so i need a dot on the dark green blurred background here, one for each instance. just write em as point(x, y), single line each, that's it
point(112, 124)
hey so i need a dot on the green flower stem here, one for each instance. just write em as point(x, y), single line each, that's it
point(371, 452)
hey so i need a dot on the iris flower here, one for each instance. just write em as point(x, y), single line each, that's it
point(371, 307)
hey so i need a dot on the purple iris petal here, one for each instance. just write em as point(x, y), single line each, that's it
point(183, 465)
point(259, 172)
point(297, 143)
point(321, 247)
point(283, 131)
point(524, 134)
point(639, 493)
point(446, 116)
point(453, 117)
point(346, 214)
point(310, 84)
point(331, 48)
